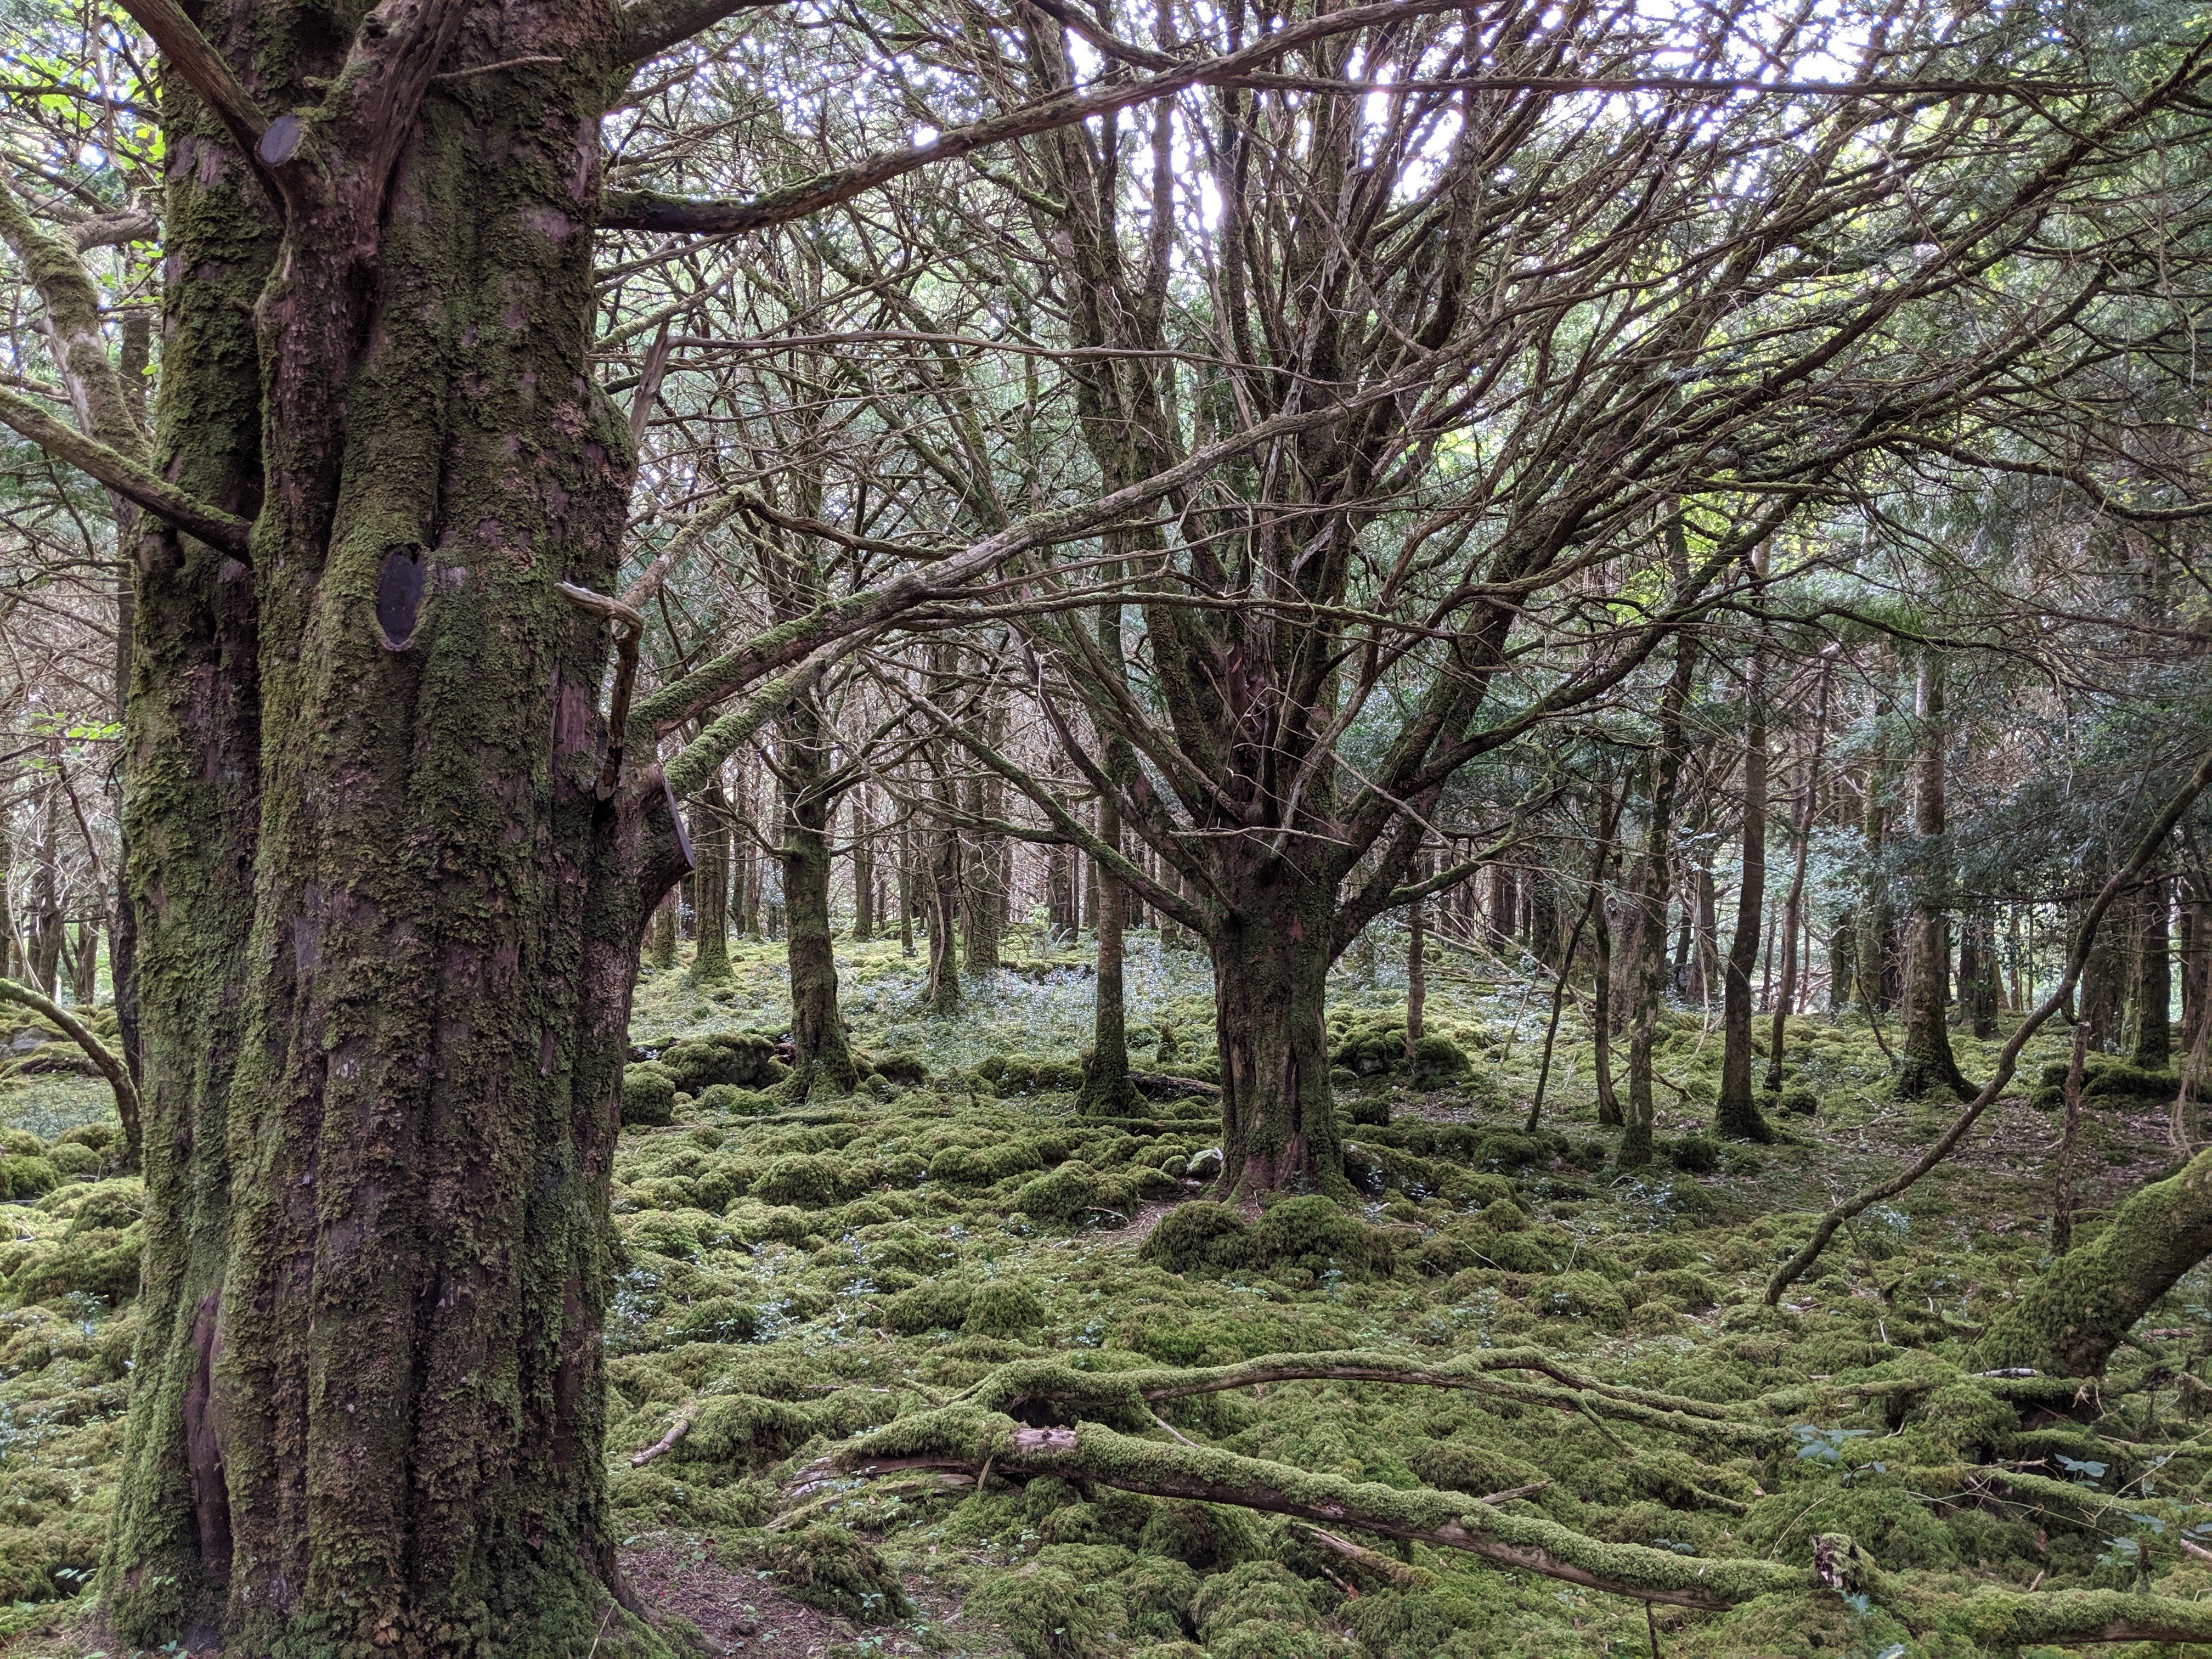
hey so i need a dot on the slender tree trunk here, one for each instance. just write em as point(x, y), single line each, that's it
point(1871, 995)
point(1650, 969)
point(822, 1063)
point(1059, 892)
point(1106, 1090)
point(864, 873)
point(985, 895)
point(84, 965)
point(2104, 982)
point(2070, 1141)
point(1608, 1102)
point(662, 952)
point(906, 889)
point(1925, 1062)
point(710, 842)
point(1417, 975)
point(1737, 1114)
point(1793, 907)
point(49, 933)
point(2195, 954)
point(1980, 978)
point(2153, 988)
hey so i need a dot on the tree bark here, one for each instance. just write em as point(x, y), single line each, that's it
point(1106, 1090)
point(1608, 1102)
point(1926, 1062)
point(2152, 1048)
point(387, 923)
point(2071, 1320)
point(1793, 907)
point(821, 1062)
point(1270, 980)
point(710, 842)
point(864, 873)
point(84, 965)
point(662, 952)
point(1737, 1114)
point(1650, 967)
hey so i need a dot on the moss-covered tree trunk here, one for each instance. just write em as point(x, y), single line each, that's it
point(710, 842)
point(2152, 1017)
point(1271, 965)
point(1647, 964)
point(864, 873)
point(1925, 1063)
point(661, 952)
point(821, 1062)
point(387, 921)
point(2071, 1320)
point(1736, 1113)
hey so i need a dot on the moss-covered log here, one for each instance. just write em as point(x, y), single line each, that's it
point(965, 1438)
point(2070, 1320)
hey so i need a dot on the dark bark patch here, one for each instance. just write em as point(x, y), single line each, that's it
point(203, 1445)
point(399, 596)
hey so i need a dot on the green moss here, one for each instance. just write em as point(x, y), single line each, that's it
point(829, 1568)
point(648, 1096)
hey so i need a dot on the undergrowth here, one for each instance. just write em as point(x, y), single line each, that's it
point(795, 1276)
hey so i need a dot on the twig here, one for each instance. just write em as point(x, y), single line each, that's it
point(667, 1442)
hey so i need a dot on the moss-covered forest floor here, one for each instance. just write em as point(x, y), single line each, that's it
point(800, 1273)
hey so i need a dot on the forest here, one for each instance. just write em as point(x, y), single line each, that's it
point(1209, 829)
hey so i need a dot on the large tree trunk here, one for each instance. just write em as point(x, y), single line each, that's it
point(2070, 1320)
point(1270, 979)
point(1736, 1113)
point(1925, 1063)
point(388, 924)
point(821, 1062)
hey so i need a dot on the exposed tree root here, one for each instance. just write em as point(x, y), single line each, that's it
point(1012, 1386)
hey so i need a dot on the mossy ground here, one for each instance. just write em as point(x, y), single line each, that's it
point(796, 1272)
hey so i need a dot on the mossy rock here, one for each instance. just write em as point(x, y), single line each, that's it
point(1580, 1295)
point(1065, 1194)
point(2105, 1078)
point(728, 1100)
point(835, 1570)
point(937, 1304)
point(75, 1162)
point(648, 1096)
point(113, 1205)
point(908, 1070)
point(1694, 1154)
point(1314, 1234)
point(1067, 1604)
point(1002, 1307)
point(1201, 1236)
point(1691, 1291)
point(745, 1428)
point(718, 1319)
point(744, 1059)
point(23, 1176)
point(1438, 1062)
point(1205, 1537)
